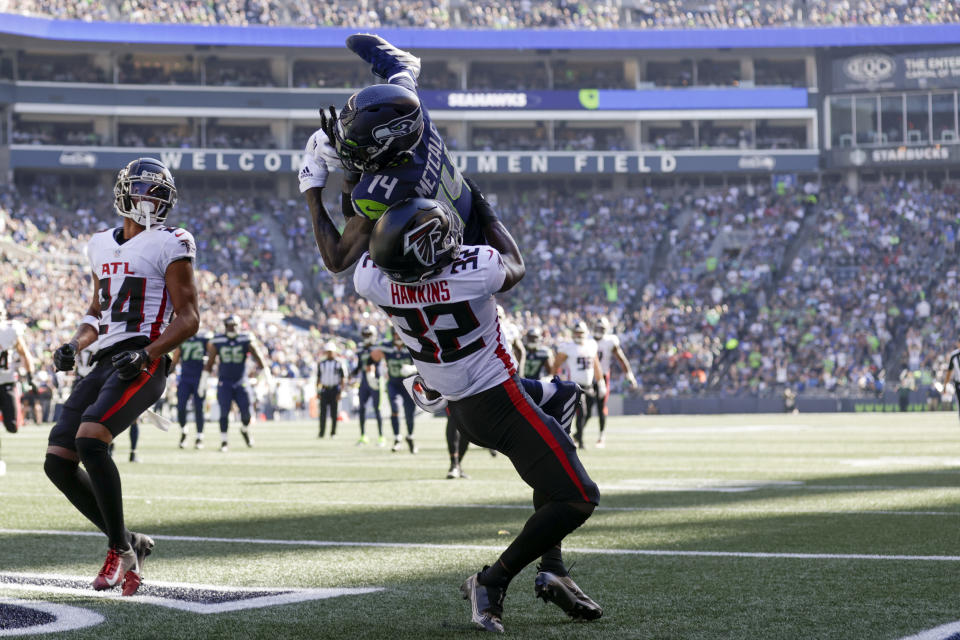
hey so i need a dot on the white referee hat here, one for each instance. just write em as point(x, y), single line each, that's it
point(330, 346)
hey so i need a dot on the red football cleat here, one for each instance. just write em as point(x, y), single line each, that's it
point(115, 567)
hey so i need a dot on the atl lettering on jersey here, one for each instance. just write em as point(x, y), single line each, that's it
point(132, 286)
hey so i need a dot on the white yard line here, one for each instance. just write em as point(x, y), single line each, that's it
point(507, 507)
point(476, 547)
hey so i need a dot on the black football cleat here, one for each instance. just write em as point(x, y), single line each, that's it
point(486, 604)
point(564, 592)
point(247, 436)
point(414, 449)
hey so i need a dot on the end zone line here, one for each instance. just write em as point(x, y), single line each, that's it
point(477, 547)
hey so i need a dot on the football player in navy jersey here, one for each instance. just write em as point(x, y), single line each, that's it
point(367, 372)
point(438, 294)
point(192, 383)
point(539, 360)
point(399, 366)
point(389, 149)
point(231, 348)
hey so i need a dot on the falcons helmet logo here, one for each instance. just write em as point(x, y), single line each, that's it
point(422, 241)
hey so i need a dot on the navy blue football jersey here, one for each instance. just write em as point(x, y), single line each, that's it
point(535, 364)
point(233, 356)
point(430, 173)
point(397, 358)
point(192, 352)
point(364, 359)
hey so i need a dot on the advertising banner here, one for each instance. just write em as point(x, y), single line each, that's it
point(505, 163)
point(903, 156)
point(877, 71)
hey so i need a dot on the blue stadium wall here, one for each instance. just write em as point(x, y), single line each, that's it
point(624, 39)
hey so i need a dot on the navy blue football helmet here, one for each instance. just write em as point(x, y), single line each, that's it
point(378, 128)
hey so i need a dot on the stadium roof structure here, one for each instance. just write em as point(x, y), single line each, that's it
point(479, 39)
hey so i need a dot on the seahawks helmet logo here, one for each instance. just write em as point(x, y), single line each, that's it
point(422, 241)
point(398, 127)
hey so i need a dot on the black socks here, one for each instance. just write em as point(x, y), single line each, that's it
point(543, 532)
point(74, 483)
point(105, 482)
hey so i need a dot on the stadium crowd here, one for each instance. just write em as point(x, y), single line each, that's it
point(502, 14)
point(743, 289)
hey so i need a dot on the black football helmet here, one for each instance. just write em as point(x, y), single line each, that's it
point(533, 338)
point(378, 128)
point(145, 192)
point(415, 239)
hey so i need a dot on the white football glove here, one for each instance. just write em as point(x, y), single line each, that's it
point(203, 385)
point(424, 397)
point(601, 387)
point(313, 172)
point(319, 146)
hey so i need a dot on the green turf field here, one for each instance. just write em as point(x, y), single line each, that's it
point(805, 526)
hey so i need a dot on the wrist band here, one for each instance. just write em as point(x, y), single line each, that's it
point(93, 321)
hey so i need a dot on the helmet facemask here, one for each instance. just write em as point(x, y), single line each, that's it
point(143, 194)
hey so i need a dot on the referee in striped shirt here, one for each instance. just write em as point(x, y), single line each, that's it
point(953, 372)
point(331, 374)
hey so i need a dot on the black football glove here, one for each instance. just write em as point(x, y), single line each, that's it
point(129, 364)
point(65, 358)
point(479, 205)
point(32, 385)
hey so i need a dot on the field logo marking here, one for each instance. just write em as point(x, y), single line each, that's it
point(196, 598)
point(28, 617)
point(949, 631)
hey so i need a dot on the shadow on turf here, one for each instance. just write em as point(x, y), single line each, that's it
point(749, 530)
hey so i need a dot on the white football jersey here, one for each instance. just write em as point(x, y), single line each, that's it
point(133, 290)
point(10, 330)
point(448, 323)
point(605, 347)
point(580, 360)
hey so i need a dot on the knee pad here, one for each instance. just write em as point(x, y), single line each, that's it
point(59, 469)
